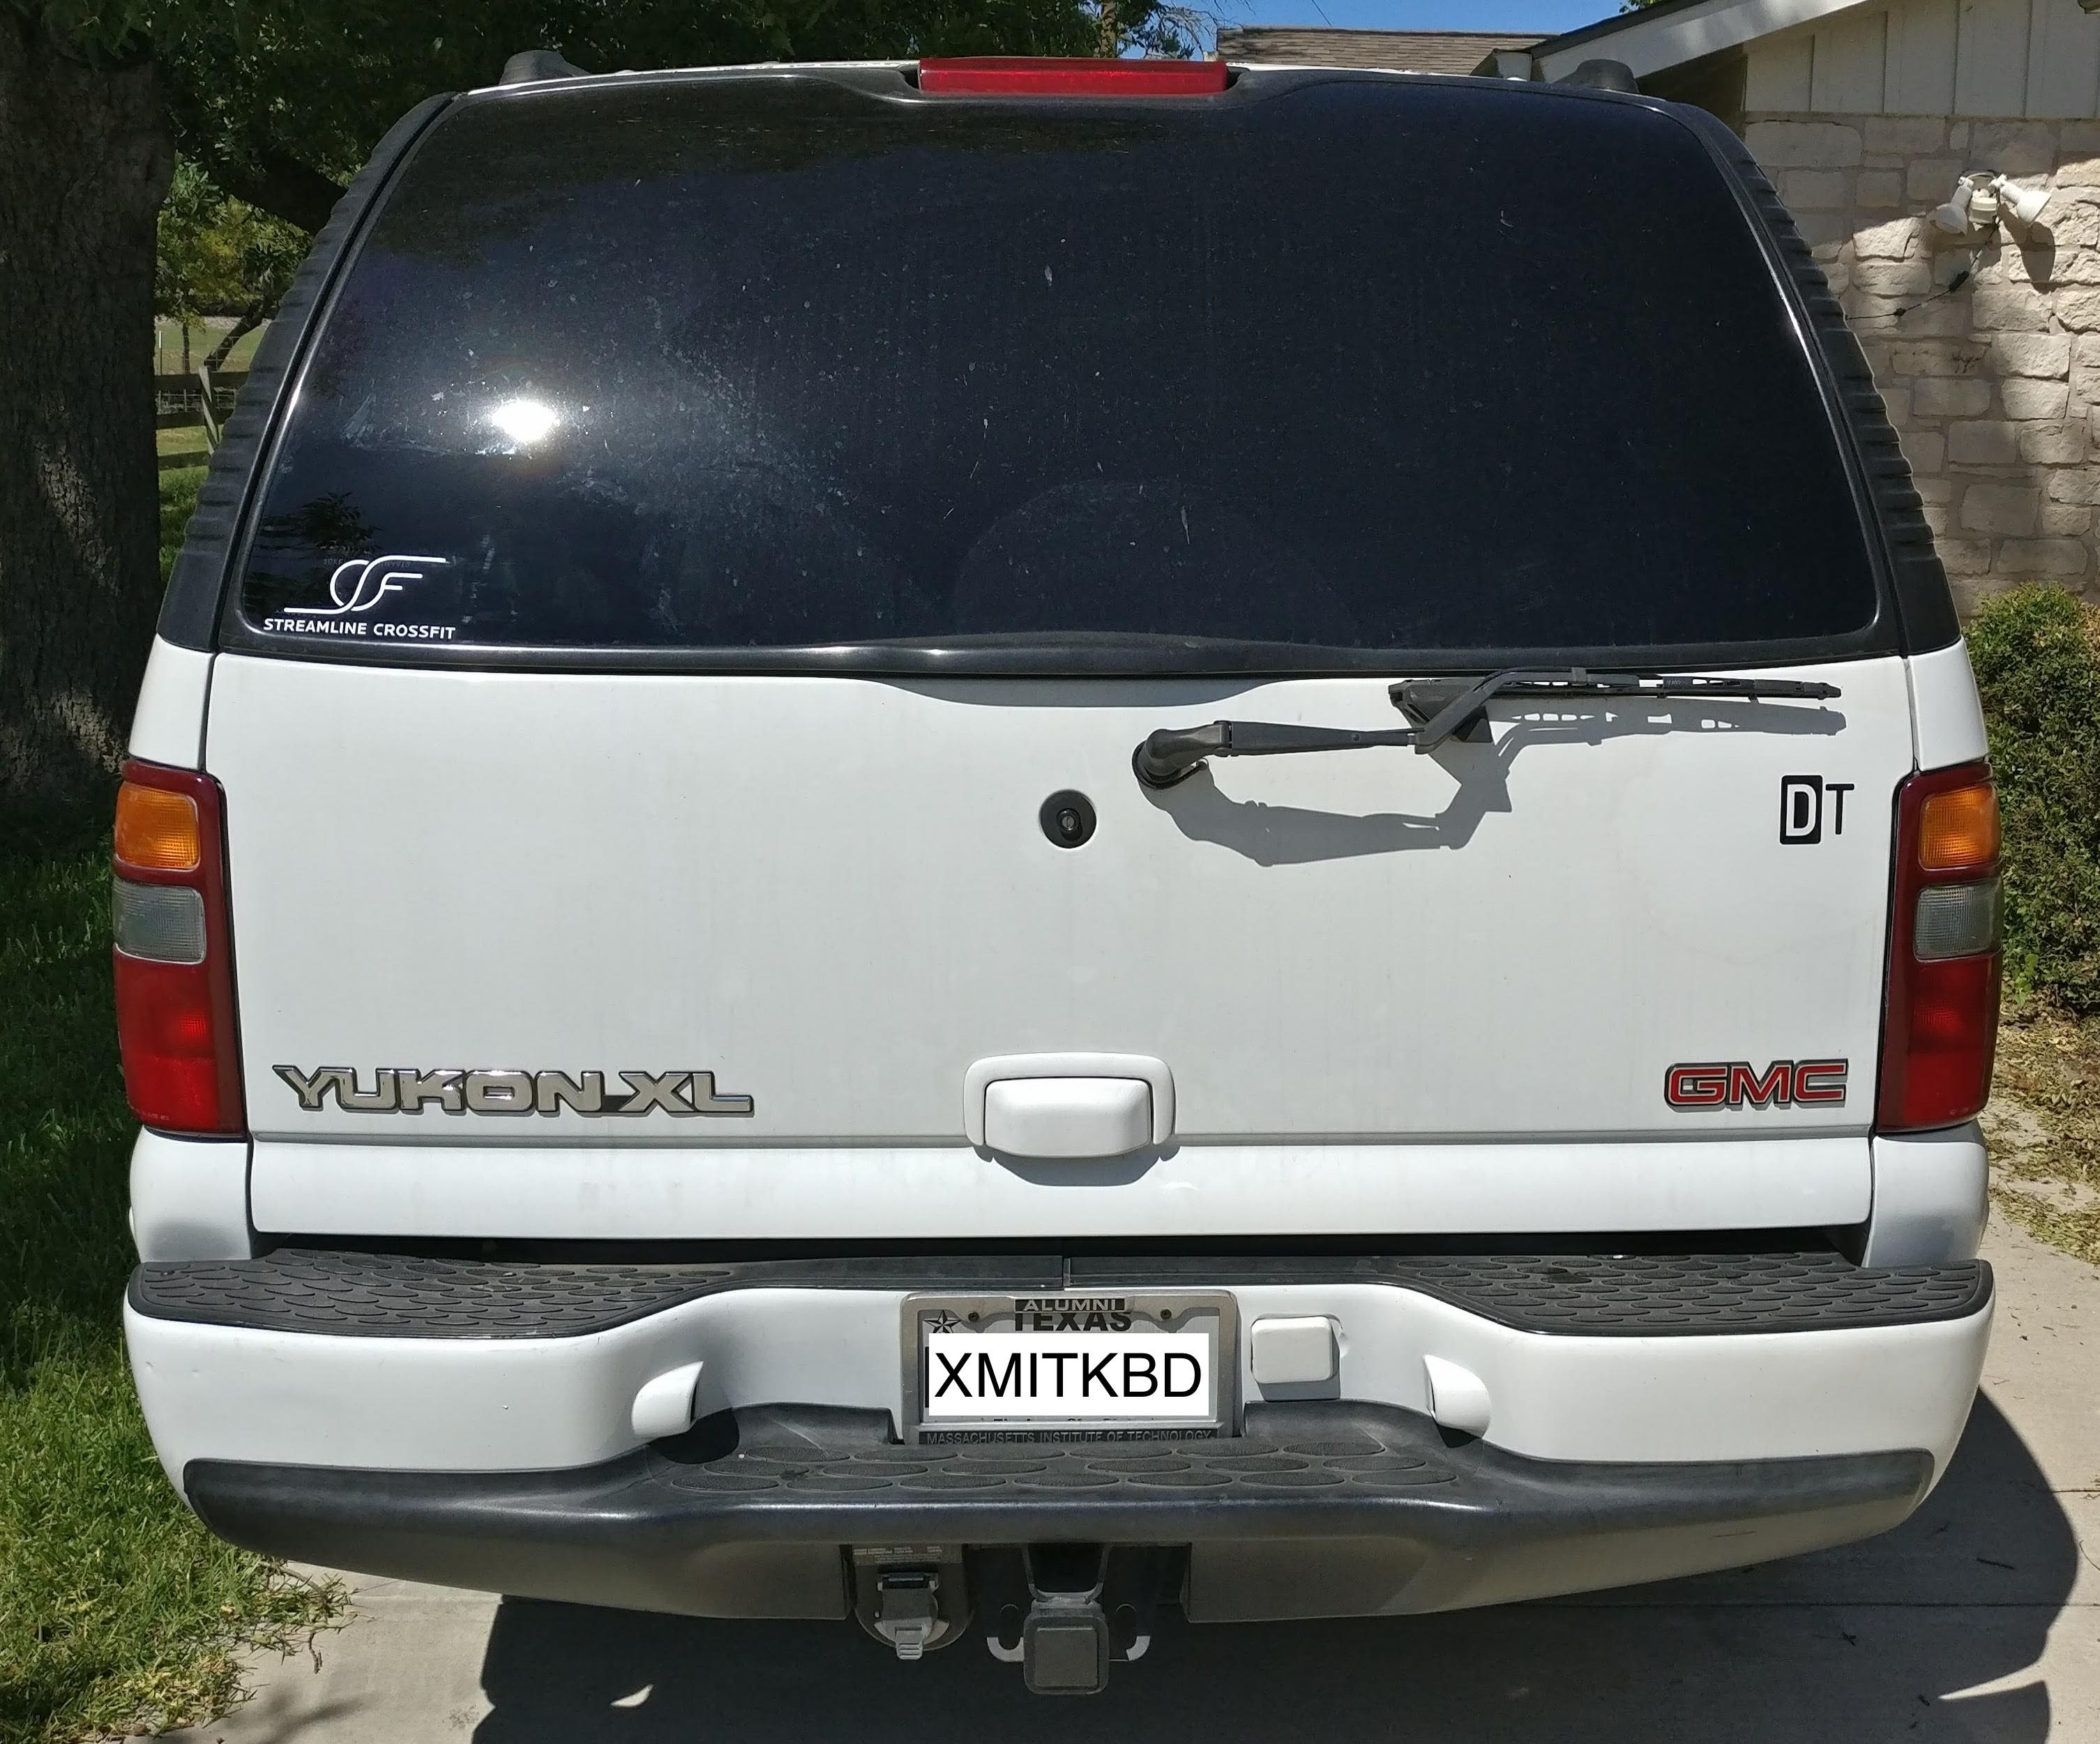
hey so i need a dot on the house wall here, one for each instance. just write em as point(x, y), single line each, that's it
point(1994, 386)
point(2034, 59)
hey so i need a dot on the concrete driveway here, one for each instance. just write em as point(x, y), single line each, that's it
point(1978, 1619)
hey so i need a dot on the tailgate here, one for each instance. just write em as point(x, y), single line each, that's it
point(835, 895)
point(715, 516)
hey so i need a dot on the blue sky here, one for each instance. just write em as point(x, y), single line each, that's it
point(1544, 16)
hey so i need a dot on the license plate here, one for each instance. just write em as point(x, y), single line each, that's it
point(1069, 1367)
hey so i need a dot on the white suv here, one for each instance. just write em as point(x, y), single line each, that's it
point(986, 843)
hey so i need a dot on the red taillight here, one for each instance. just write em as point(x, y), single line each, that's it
point(1940, 1029)
point(1020, 76)
point(174, 959)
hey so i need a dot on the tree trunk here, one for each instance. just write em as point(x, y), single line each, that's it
point(85, 160)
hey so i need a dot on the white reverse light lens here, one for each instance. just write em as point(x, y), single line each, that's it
point(1957, 920)
point(524, 421)
point(160, 923)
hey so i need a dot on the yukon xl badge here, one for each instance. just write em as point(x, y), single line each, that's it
point(454, 1090)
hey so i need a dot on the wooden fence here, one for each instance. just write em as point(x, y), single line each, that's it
point(193, 402)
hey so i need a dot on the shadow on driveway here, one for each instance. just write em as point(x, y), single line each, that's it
point(1870, 1641)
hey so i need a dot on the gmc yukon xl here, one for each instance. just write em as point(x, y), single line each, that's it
point(985, 844)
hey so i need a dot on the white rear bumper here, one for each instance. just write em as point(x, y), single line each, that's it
point(466, 1455)
point(463, 1403)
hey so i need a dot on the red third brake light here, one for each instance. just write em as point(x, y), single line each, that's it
point(173, 959)
point(1020, 76)
point(1941, 1026)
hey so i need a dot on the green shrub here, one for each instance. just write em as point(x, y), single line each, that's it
point(2036, 652)
point(178, 496)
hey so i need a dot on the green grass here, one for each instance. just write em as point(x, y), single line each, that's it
point(203, 335)
point(118, 1612)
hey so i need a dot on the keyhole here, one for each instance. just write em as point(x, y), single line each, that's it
point(1068, 818)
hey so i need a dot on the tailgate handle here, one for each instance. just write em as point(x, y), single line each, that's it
point(1068, 1105)
point(1068, 1117)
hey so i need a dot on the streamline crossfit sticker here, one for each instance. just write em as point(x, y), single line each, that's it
point(354, 590)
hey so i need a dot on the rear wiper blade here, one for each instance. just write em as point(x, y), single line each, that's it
point(1441, 709)
point(1448, 708)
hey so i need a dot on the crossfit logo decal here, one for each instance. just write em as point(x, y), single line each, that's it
point(354, 590)
point(362, 582)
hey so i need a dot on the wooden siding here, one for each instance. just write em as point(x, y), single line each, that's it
point(1995, 58)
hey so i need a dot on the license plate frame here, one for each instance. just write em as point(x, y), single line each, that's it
point(1000, 1314)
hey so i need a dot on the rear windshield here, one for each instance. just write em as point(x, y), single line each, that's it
point(1354, 369)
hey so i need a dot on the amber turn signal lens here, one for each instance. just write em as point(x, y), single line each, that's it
point(157, 830)
point(1957, 831)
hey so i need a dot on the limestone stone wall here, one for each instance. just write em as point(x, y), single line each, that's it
point(1994, 386)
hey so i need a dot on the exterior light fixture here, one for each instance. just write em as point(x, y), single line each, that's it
point(1953, 217)
point(2023, 205)
point(1981, 199)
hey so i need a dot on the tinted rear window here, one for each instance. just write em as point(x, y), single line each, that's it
point(1357, 367)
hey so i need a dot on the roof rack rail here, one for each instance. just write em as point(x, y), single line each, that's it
point(534, 65)
point(1603, 75)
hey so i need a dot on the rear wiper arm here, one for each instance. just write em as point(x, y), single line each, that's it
point(1174, 753)
point(1441, 709)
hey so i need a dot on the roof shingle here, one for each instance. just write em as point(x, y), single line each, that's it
point(1403, 51)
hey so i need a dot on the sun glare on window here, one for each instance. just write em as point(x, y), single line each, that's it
point(524, 421)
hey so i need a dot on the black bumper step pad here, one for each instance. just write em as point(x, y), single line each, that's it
point(641, 1522)
point(398, 1296)
point(794, 1455)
